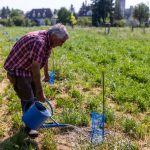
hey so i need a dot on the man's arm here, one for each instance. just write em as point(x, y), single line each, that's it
point(37, 81)
point(46, 75)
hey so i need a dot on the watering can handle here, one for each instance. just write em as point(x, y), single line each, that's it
point(51, 108)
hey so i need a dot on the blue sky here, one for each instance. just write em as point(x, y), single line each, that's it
point(27, 5)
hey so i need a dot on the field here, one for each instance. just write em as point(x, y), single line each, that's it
point(122, 55)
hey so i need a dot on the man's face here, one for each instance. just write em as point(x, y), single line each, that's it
point(57, 42)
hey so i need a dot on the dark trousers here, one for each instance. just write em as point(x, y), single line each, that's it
point(25, 89)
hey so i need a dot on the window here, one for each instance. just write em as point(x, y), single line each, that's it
point(44, 15)
point(33, 15)
point(39, 15)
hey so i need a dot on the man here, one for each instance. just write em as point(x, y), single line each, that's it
point(27, 57)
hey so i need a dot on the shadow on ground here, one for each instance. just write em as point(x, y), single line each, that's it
point(19, 141)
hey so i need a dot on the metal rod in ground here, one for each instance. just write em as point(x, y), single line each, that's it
point(53, 60)
point(103, 85)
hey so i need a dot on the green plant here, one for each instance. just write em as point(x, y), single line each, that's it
point(1, 132)
point(142, 104)
point(75, 117)
point(75, 94)
point(134, 129)
point(130, 107)
point(64, 103)
point(16, 142)
point(94, 104)
point(110, 116)
point(16, 120)
point(129, 127)
point(49, 142)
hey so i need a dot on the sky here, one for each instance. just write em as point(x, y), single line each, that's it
point(27, 5)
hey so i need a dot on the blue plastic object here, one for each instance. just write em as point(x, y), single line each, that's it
point(97, 134)
point(36, 115)
point(52, 77)
point(53, 125)
point(17, 38)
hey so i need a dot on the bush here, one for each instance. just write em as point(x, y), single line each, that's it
point(49, 142)
point(120, 23)
point(3, 22)
point(134, 129)
point(74, 117)
point(84, 21)
point(18, 20)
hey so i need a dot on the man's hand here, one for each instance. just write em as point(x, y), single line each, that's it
point(40, 96)
point(46, 79)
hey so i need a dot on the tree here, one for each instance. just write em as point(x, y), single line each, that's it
point(72, 9)
point(18, 20)
point(73, 20)
point(101, 10)
point(5, 13)
point(16, 12)
point(17, 16)
point(82, 10)
point(117, 12)
point(64, 15)
point(141, 12)
point(27, 22)
point(47, 22)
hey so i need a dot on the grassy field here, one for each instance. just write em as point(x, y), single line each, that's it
point(123, 55)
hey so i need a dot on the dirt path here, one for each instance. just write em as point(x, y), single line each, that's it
point(4, 119)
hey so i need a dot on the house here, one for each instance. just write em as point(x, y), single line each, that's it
point(39, 15)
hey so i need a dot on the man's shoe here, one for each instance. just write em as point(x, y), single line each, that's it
point(33, 133)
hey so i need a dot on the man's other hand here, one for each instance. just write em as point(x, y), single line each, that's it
point(46, 79)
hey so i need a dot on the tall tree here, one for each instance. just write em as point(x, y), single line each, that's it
point(64, 15)
point(117, 12)
point(141, 12)
point(72, 9)
point(101, 10)
point(16, 12)
point(82, 10)
point(17, 16)
point(5, 12)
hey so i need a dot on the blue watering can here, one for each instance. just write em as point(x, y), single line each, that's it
point(37, 114)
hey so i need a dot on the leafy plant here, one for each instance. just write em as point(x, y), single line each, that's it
point(49, 142)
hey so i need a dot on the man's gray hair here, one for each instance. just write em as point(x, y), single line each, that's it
point(59, 30)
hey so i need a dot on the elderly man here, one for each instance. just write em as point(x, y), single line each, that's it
point(27, 57)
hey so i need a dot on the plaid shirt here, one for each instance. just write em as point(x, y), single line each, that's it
point(33, 46)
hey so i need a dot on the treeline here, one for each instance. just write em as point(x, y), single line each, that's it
point(110, 11)
point(14, 17)
point(98, 13)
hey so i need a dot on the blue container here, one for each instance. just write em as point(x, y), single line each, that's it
point(36, 115)
point(52, 77)
point(97, 134)
point(98, 120)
